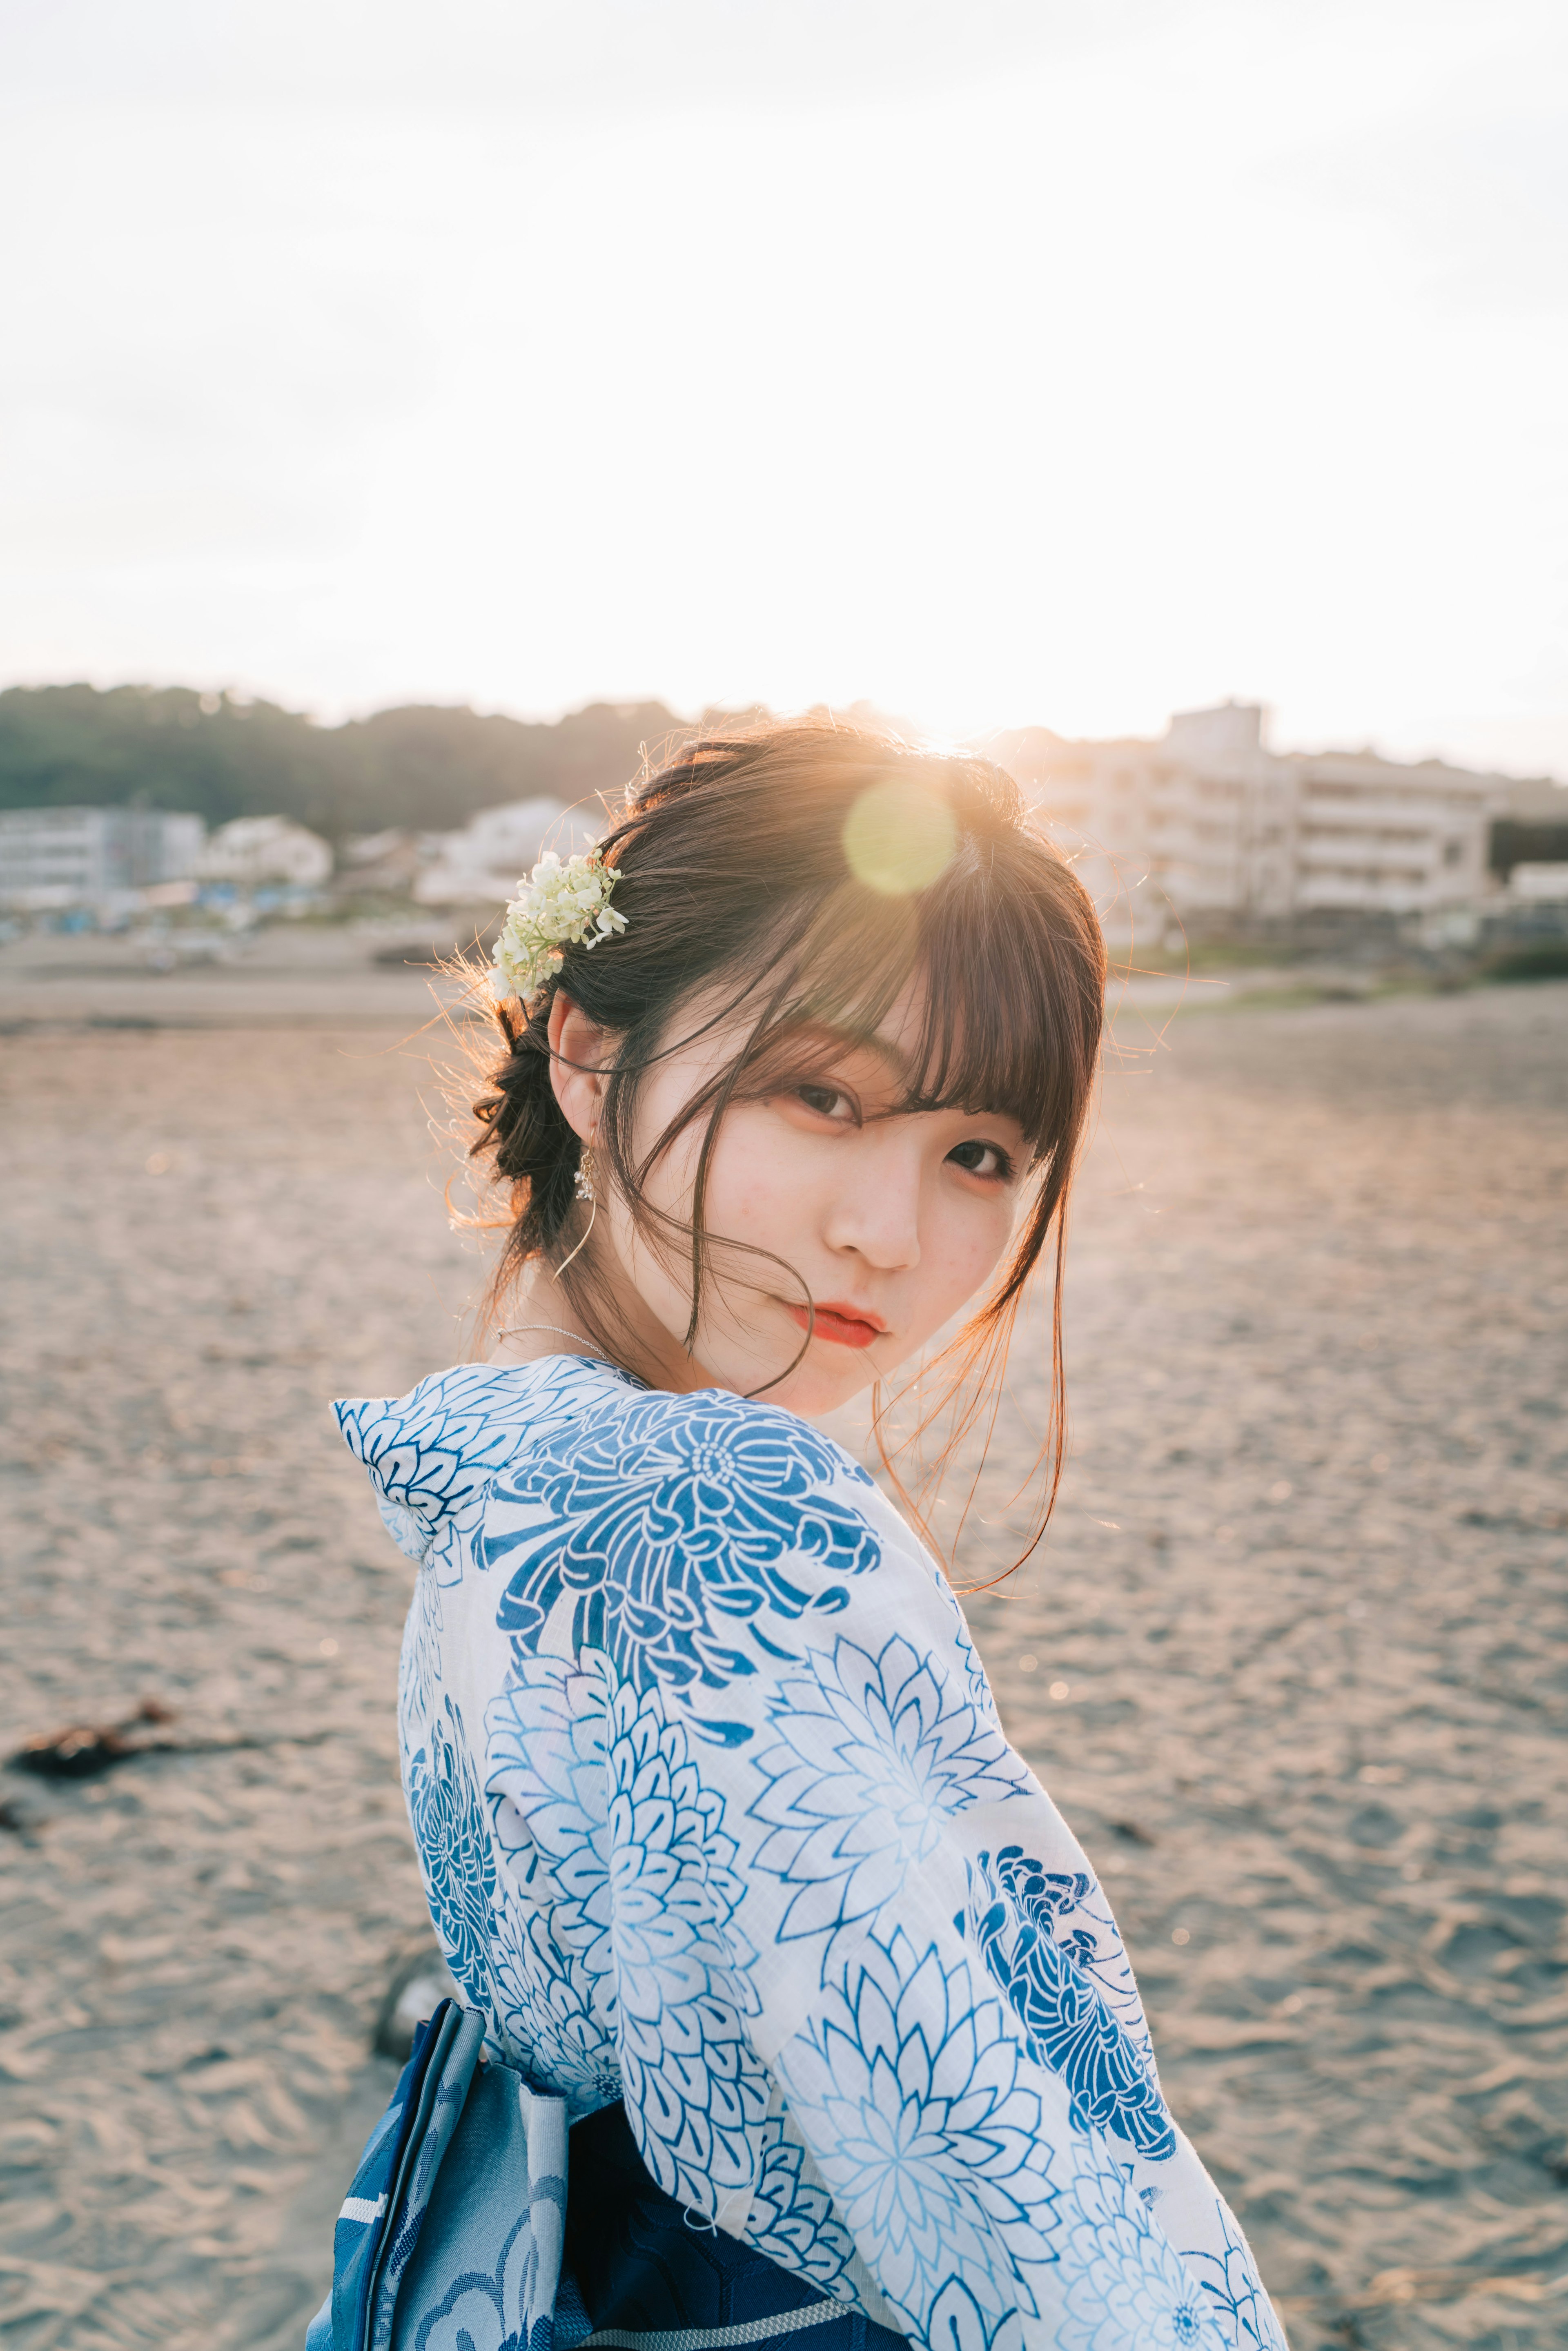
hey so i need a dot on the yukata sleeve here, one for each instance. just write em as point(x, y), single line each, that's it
point(948, 2013)
point(872, 2012)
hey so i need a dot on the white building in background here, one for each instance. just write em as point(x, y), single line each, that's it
point(1375, 836)
point(80, 856)
point(1538, 885)
point(1209, 826)
point(482, 865)
point(388, 860)
point(1200, 824)
point(253, 851)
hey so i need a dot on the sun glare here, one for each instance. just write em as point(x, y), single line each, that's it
point(897, 839)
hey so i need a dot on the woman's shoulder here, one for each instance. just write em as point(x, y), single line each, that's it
point(739, 1441)
point(708, 1461)
point(688, 1523)
point(705, 1543)
point(432, 1455)
point(585, 1442)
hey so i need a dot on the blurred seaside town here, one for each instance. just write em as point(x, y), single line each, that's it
point(179, 825)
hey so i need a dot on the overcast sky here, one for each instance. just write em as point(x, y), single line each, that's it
point(1000, 362)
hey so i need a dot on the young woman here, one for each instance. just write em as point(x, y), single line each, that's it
point(719, 1824)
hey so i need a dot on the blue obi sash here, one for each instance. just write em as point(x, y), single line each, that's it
point(458, 2232)
point(452, 2228)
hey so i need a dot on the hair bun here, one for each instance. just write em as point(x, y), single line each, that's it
point(534, 1149)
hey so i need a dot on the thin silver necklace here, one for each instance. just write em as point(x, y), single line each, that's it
point(560, 1332)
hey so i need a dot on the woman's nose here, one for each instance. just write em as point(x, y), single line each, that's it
point(876, 1212)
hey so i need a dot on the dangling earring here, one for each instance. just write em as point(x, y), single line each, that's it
point(585, 1191)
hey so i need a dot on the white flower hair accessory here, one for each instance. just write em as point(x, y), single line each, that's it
point(558, 906)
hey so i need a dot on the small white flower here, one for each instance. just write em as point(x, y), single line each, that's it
point(558, 906)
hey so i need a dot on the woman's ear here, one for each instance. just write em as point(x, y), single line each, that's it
point(579, 1050)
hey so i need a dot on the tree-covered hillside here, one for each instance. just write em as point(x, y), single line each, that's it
point(169, 748)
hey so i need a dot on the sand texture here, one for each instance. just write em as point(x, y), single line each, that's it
point(1294, 1660)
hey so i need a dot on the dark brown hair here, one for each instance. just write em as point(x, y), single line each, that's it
point(736, 888)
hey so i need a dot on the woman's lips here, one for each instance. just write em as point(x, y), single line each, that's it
point(840, 1324)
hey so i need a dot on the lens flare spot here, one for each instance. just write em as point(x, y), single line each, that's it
point(898, 837)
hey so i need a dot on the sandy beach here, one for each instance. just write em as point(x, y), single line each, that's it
point(1293, 1659)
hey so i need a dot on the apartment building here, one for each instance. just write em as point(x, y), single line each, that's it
point(1209, 827)
point(1200, 824)
point(68, 856)
point(1375, 836)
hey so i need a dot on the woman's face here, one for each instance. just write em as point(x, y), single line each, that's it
point(891, 1220)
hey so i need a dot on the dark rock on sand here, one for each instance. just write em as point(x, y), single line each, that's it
point(82, 1749)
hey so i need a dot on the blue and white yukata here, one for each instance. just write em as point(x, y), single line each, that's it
point(719, 1824)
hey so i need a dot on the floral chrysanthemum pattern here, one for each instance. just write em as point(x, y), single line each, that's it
point(868, 1759)
point(434, 1460)
point(932, 2138)
point(1225, 2269)
point(1015, 1907)
point(689, 2074)
point(1123, 2282)
point(792, 2220)
point(553, 2012)
point(715, 1817)
point(674, 1530)
point(454, 1851)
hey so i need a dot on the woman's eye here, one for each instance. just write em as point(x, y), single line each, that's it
point(981, 1159)
point(826, 1101)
